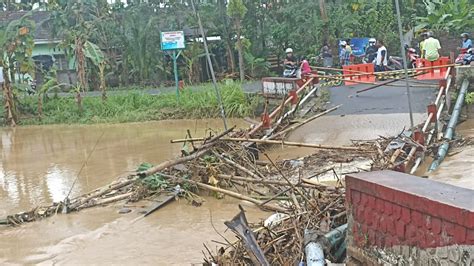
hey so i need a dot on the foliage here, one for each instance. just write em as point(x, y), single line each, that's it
point(447, 15)
point(469, 98)
point(131, 106)
point(152, 182)
point(16, 47)
point(236, 9)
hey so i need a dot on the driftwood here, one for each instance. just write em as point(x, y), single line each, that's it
point(272, 182)
point(239, 196)
point(280, 142)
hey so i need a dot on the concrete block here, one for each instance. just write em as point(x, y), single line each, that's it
point(444, 262)
point(442, 252)
point(434, 262)
point(424, 257)
point(405, 251)
point(454, 254)
point(397, 250)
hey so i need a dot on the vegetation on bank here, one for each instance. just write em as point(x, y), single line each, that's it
point(136, 105)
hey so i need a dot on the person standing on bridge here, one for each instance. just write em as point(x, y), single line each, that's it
point(421, 45)
point(381, 60)
point(344, 54)
point(431, 47)
point(466, 43)
point(326, 55)
point(305, 68)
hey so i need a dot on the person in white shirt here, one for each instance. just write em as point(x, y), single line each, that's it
point(381, 60)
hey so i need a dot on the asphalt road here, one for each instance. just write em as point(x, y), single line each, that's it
point(381, 100)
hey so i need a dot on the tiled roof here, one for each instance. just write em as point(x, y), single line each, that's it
point(43, 30)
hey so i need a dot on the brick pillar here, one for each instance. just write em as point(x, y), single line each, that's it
point(410, 218)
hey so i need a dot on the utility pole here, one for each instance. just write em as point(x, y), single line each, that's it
point(209, 63)
point(404, 58)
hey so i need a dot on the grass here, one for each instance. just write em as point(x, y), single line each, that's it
point(134, 106)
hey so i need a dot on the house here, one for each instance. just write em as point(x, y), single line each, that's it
point(46, 52)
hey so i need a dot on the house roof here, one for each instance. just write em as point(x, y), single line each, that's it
point(43, 30)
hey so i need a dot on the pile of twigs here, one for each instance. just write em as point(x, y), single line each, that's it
point(282, 241)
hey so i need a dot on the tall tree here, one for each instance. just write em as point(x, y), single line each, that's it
point(16, 47)
point(236, 10)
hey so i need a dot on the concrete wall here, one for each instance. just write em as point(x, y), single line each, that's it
point(50, 49)
point(398, 218)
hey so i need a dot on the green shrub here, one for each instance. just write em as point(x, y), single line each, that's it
point(135, 105)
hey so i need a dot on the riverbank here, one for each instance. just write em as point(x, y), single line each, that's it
point(138, 106)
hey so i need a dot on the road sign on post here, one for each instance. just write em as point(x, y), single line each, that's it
point(172, 41)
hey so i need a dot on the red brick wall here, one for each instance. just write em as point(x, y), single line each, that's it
point(389, 208)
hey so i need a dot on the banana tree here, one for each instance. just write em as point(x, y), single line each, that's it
point(447, 15)
point(16, 47)
point(97, 57)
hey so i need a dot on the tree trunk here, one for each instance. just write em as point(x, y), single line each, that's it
point(230, 57)
point(324, 17)
point(322, 10)
point(81, 71)
point(103, 88)
point(9, 104)
point(241, 53)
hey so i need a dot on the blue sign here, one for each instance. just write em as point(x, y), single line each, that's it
point(358, 46)
point(172, 40)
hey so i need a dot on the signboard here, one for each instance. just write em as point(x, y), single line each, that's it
point(172, 40)
point(278, 86)
point(358, 46)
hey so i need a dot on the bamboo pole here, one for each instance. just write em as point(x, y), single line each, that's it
point(280, 142)
point(272, 182)
point(385, 83)
point(386, 72)
point(338, 69)
point(239, 196)
point(349, 80)
point(111, 199)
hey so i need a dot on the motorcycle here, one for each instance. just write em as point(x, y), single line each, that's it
point(396, 62)
point(290, 71)
point(462, 54)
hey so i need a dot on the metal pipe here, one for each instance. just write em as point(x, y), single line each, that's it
point(315, 250)
point(404, 58)
point(209, 64)
point(448, 135)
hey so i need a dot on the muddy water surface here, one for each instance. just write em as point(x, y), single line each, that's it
point(458, 169)
point(39, 164)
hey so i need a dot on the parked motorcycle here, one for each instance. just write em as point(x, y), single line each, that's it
point(462, 54)
point(290, 71)
point(396, 62)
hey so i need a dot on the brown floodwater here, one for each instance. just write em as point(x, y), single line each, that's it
point(458, 169)
point(40, 163)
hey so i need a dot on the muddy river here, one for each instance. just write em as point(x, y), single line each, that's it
point(39, 164)
point(458, 169)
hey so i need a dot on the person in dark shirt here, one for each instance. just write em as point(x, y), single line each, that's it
point(290, 59)
point(326, 55)
point(371, 51)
